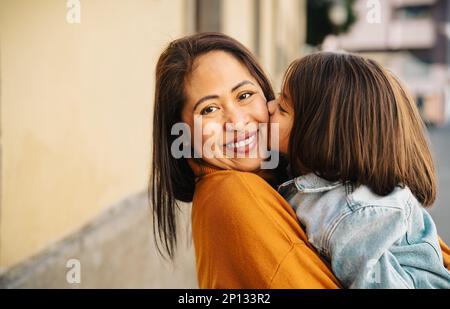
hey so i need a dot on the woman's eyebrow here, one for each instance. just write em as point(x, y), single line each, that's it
point(215, 96)
point(206, 98)
point(245, 82)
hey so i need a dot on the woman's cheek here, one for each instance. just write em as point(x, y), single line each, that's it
point(261, 111)
point(212, 138)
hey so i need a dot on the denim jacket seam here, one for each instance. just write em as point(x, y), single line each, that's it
point(353, 204)
point(323, 188)
point(316, 190)
point(425, 242)
point(409, 203)
point(326, 238)
point(333, 226)
point(407, 221)
point(412, 277)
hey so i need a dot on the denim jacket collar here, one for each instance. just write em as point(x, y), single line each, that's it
point(312, 183)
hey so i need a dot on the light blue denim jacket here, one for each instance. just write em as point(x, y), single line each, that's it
point(371, 241)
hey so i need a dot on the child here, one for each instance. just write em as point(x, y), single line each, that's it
point(362, 171)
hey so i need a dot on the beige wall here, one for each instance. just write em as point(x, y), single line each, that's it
point(238, 20)
point(75, 112)
point(76, 103)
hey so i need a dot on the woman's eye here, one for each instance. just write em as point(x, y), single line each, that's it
point(208, 110)
point(245, 95)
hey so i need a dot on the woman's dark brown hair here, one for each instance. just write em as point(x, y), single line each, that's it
point(171, 179)
point(353, 121)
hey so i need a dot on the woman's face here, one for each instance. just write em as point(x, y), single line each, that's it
point(229, 102)
point(281, 113)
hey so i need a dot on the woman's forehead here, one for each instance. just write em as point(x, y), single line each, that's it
point(218, 65)
point(216, 72)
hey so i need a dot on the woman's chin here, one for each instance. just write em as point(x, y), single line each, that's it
point(248, 165)
point(238, 164)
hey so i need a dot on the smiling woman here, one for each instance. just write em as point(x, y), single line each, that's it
point(238, 219)
point(222, 92)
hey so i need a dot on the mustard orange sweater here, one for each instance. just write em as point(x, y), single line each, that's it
point(247, 236)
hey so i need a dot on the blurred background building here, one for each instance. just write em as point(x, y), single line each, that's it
point(412, 39)
point(76, 97)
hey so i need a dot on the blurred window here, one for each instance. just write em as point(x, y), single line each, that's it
point(413, 12)
point(209, 14)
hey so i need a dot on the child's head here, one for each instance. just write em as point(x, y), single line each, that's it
point(347, 118)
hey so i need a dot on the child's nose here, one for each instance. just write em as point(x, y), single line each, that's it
point(271, 106)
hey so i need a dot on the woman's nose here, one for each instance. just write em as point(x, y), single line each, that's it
point(271, 106)
point(236, 119)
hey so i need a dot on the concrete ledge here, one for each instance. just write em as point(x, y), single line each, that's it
point(116, 250)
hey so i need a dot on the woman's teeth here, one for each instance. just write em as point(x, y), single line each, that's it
point(242, 143)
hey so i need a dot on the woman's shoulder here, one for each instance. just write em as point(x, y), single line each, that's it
point(230, 187)
point(244, 199)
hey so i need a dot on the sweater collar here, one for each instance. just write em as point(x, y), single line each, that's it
point(202, 168)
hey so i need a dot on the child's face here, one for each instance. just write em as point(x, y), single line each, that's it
point(281, 112)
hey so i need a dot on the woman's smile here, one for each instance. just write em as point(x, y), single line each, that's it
point(243, 144)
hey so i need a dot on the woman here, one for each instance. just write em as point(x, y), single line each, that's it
point(245, 234)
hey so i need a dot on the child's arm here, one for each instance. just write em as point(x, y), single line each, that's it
point(369, 248)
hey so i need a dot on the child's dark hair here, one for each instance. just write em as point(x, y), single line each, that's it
point(353, 121)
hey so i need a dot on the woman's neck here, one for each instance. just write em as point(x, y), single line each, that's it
point(273, 176)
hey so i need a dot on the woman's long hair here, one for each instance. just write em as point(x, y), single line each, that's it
point(172, 179)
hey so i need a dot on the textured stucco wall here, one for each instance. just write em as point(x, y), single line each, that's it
point(75, 112)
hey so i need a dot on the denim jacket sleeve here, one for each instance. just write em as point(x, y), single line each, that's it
point(360, 248)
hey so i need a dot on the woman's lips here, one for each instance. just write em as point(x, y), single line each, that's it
point(243, 144)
